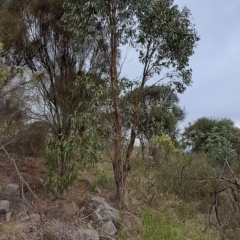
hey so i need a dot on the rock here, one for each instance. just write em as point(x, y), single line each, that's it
point(8, 216)
point(17, 205)
point(13, 189)
point(103, 211)
point(97, 218)
point(96, 201)
point(108, 229)
point(104, 216)
point(87, 234)
point(4, 206)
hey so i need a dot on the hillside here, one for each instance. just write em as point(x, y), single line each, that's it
point(151, 214)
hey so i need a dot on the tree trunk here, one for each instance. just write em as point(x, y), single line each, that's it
point(117, 161)
point(142, 148)
point(119, 180)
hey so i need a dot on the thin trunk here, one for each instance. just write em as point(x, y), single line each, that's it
point(117, 161)
point(142, 148)
point(132, 139)
point(121, 167)
point(135, 113)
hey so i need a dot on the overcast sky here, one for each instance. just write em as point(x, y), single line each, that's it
point(215, 91)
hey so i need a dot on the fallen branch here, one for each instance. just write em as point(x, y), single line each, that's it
point(234, 182)
point(20, 176)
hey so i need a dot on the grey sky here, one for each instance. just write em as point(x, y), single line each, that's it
point(215, 91)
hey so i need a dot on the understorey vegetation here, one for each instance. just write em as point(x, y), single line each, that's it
point(64, 99)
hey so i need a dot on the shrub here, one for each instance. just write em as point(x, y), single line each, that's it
point(30, 139)
point(162, 148)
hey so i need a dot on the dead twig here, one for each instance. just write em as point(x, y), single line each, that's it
point(23, 181)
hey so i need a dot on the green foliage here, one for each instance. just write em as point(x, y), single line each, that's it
point(106, 182)
point(219, 144)
point(165, 147)
point(167, 29)
point(181, 193)
point(13, 109)
point(158, 111)
point(196, 134)
point(161, 33)
point(30, 139)
point(67, 155)
point(52, 75)
point(13, 114)
point(64, 78)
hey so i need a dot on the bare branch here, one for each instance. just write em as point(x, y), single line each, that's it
point(19, 174)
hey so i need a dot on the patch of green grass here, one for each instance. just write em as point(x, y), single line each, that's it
point(160, 225)
point(156, 226)
point(106, 182)
point(92, 187)
point(103, 180)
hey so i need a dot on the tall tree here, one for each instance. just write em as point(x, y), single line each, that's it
point(34, 37)
point(13, 103)
point(158, 113)
point(195, 135)
point(161, 33)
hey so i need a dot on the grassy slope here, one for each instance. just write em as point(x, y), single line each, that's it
point(152, 196)
point(172, 198)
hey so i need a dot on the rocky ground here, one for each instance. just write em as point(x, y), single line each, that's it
point(78, 214)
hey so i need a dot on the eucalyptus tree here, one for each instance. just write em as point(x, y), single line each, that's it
point(163, 36)
point(13, 106)
point(13, 103)
point(34, 38)
point(219, 144)
point(159, 113)
point(195, 135)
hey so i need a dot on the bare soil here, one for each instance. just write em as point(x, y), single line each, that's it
point(33, 171)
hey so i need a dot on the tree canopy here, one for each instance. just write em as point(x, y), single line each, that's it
point(71, 47)
point(158, 113)
point(163, 36)
point(196, 135)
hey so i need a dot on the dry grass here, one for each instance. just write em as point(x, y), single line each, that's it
point(172, 201)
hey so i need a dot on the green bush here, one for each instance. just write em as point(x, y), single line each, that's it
point(185, 176)
point(30, 139)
